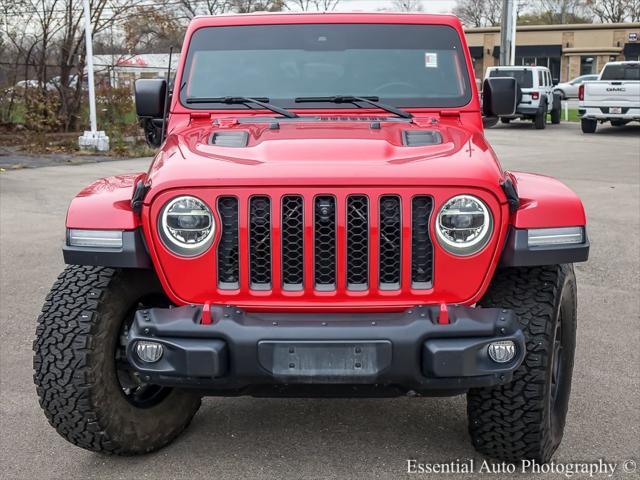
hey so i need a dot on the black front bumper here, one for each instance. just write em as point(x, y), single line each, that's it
point(252, 353)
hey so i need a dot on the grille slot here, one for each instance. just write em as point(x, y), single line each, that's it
point(228, 261)
point(357, 242)
point(292, 242)
point(390, 242)
point(260, 243)
point(421, 246)
point(325, 242)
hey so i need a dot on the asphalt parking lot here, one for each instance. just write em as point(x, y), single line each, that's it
point(308, 438)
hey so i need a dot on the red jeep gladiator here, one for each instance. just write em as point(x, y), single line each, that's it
point(324, 217)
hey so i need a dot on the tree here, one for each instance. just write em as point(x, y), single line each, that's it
point(48, 38)
point(479, 13)
point(152, 32)
point(312, 5)
point(408, 5)
point(615, 11)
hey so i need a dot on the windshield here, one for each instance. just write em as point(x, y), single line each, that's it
point(523, 77)
point(621, 71)
point(401, 65)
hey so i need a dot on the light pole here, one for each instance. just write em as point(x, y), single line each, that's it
point(508, 33)
point(92, 139)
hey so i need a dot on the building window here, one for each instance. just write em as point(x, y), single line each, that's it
point(587, 65)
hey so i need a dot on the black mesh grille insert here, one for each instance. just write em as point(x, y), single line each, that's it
point(421, 246)
point(228, 266)
point(260, 243)
point(325, 242)
point(357, 242)
point(390, 242)
point(292, 242)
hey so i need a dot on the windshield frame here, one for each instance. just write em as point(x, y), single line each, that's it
point(467, 78)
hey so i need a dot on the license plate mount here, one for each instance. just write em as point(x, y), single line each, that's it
point(615, 110)
point(325, 361)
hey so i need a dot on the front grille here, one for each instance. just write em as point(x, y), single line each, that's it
point(324, 242)
point(228, 259)
point(421, 246)
point(292, 242)
point(260, 243)
point(390, 242)
point(357, 242)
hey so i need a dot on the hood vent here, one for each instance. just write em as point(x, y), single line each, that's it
point(229, 139)
point(421, 138)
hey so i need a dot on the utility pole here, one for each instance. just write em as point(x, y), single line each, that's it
point(508, 33)
point(93, 139)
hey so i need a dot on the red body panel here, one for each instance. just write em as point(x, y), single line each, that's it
point(337, 156)
point(546, 202)
point(105, 205)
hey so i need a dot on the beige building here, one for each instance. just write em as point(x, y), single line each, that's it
point(568, 50)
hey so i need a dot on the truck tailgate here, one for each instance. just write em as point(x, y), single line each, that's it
point(612, 94)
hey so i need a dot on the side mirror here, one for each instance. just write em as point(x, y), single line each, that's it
point(499, 97)
point(150, 97)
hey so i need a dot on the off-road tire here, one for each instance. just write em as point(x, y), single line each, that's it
point(556, 115)
point(522, 419)
point(75, 369)
point(588, 126)
point(540, 120)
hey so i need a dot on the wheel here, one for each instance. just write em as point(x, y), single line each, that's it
point(525, 418)
point(588, 125)
point(84, 383)
point(505, 120)
point(540, 120)
point(556, 111)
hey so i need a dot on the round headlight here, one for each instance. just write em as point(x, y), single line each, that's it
point(464, 225)
point(186, 226)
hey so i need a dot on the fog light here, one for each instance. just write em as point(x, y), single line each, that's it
point(149, 352)
point(502, 352)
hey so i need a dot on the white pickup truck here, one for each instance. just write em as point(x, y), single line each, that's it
point(614, 97)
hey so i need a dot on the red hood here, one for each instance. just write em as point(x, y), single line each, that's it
point(326, 152)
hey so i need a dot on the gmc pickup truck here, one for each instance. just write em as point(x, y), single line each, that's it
point(614, 97)
point(324, 217)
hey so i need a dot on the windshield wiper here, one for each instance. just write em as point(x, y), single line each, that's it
point(351, 99)
point(262, 101)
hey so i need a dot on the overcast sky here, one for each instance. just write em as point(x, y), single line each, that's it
point(429, 6)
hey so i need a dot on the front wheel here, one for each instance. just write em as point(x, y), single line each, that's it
point(588, 125)
point(525, 418)
point(85, 385)
point(540, 120)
